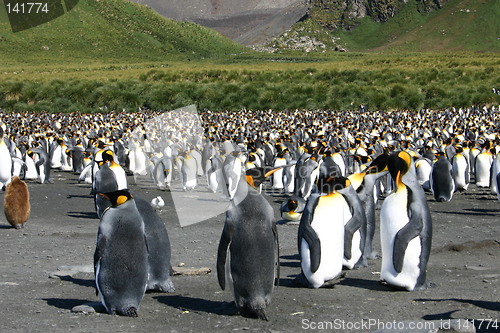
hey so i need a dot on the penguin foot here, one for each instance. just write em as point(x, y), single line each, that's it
point(254, 313)
point(331, 283)
point(130, 312)
point(427, 285)
point(374, 255)
point(165, 287)
point(362, 262)
point(301, 281)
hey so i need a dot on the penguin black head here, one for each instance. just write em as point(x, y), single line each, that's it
point(292, 205)
point(332, 184)
point(117, 197)
point(379, 164)
point(256, 176)
point(398, 165)
point(107, 156)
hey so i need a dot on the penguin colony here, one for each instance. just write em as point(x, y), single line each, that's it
point(333, 167)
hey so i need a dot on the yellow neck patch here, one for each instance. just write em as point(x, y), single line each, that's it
point(121, 199)
point(356, 179)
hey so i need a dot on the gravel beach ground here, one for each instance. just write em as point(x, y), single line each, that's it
point(46, 274)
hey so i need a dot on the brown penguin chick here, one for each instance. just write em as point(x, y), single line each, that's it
point(17, 202)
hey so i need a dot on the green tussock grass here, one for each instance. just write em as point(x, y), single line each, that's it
point(115, 55)
point(387, 82)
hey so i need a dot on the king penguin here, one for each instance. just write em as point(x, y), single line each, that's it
point(405, 228)
point(321, 236)
point(121, 258)
point(248, 252)
point(483, 164)
point(355, 228)
point(158, 248)
point(104, 182)
point(460, 169)
point(364, 184)
point(291, 209)
point(5, 161)
point(442, 183)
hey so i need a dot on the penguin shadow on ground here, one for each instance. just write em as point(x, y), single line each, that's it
point(83, 215)
point(374, 285)
point(481, 325)
point(65, 303)
point(85, 196)
point(79, 282)
point(197, 305)
point(474, 212)
point(487, 305)
point(4, 226)
point(290, 261)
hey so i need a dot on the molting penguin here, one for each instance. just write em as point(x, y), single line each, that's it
point(442, 184)
point(121, 258)
point(321, 236)
point(405, 228)
point(248, 253)
point(17, 202)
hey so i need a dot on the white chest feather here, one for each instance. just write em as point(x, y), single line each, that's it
point(393, 217)
point(328, 223)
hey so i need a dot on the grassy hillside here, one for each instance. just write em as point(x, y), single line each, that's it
point(461, 25)
point(110, 30)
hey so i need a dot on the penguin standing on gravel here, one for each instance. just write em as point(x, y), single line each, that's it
point(405, 228)
point(442, 183)
point(17, 202)
point(248, 252)
point(460, 169)
point(321, 235)
point(121, 258)
point(158, 248)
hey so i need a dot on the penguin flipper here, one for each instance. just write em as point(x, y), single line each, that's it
point(411, 230)
point(41, 161)
point(307, 233)
point(313, 241)
point(276, 240)
point(350, 228)
point(100, 245)
point(225, 241)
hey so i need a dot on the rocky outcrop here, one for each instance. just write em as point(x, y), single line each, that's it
point(256, 22)
point(344, 14)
